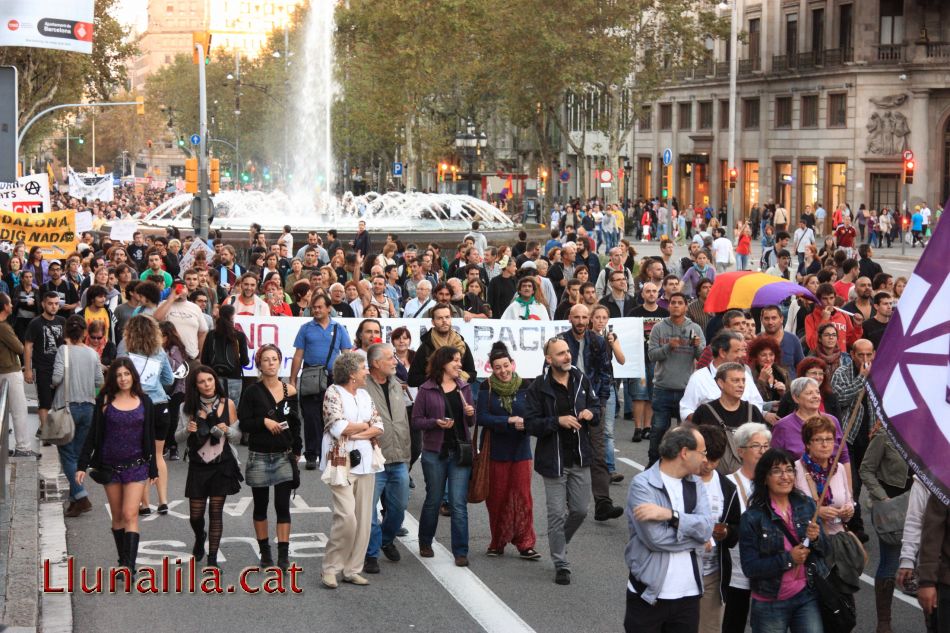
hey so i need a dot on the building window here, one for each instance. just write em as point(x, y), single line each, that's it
point(723, 114)
point(750, 114)
point(168, 59)
point(838, 110)
point(817, 31)
point(810, 111)
point(750, 187)
point(705, 115)
point(845, 27)
point(783, 112)
point(686, 116)
point(808, 181)
point(791, 35)
point(646, 118)
point(169, 8)
point(755, 33)
point(892, 22)
point(666, 116)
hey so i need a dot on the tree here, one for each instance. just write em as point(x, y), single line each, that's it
point(49, 77)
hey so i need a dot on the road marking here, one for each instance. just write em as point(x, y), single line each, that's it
point(864, 577)
point(464, 586)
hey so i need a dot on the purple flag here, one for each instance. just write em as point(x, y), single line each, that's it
point(910, 381)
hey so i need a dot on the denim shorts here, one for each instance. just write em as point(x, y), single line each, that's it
point(642, 389)
point(267, 469)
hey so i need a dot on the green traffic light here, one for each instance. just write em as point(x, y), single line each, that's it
point(81, 140)
point(666, 193)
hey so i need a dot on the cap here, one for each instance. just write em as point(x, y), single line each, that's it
point(529, 264)
point(54, 261)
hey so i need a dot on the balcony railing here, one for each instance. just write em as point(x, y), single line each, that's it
point(891, 53)
point(938, 50)
point(782, 63)
point(837, 56)
point(749, 66)
point(722, 69)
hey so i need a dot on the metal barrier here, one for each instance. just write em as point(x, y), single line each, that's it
point(4, 439)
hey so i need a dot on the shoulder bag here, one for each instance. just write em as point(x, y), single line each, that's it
point(730, 461)
point(315, 379)
point(887, 517)
point(60, 426)
point(479, 482)
point(294, 464)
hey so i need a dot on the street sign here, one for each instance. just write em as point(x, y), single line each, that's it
point(397, 170)
point(564, 176)
point(667, 156)
point(606, 177)
point(195, 139)
point(908, 155)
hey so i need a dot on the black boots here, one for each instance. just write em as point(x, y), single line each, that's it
point(883, 595)
point(283, 555)
point(131, 550)
point(266, 559)
point(198, 551)
point(119, 537)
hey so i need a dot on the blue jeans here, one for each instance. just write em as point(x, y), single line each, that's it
point(798, 614)
point(890, 560)
point(743, 261)
point(599, 235)
point(609, 408)
point(393, 482)
point(69, 453)
point(437, 473)
point(666, 406)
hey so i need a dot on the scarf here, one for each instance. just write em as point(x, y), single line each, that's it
point(833, 359)
point(506, 390)
point(526, 303)
point(98, 346)
point(701, 271)
point(820, 476)
point(452, 340)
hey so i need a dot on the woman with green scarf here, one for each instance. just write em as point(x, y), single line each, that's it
point(500, 411)
point(527, 304)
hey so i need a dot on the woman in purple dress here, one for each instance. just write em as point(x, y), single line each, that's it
point(120, 450)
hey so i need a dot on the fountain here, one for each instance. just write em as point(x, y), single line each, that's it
point(309, 203)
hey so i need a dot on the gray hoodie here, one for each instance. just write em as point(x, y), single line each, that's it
point(674, 365)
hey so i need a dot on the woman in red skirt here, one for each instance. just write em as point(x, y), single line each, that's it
point(500, 409)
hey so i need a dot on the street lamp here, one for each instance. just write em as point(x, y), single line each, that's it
point(469, 145)
point(626, 179)
point(733, 74)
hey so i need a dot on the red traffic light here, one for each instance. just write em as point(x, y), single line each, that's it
point(733, 173)
point(909, 165)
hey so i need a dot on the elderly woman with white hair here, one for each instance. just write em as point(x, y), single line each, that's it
point(418, 307)
point(752, 440)
point(351, 423)
point(787, 432)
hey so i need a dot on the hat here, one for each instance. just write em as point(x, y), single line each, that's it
point(54, 261)
point(6, 247)
point(83, 247)
point(529, 264)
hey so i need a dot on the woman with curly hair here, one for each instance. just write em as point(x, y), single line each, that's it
point(771, 379)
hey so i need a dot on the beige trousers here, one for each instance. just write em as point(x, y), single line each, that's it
point(352, 520)
point(710, 606)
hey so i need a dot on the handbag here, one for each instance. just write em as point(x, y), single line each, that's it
point(337, 471)
point(294, 463)
point(887, 517)
point(60, 426)
point(730, 461)
point(480, 480)
point(465, 455)
point(379, 461)
point(102, 474)
point(315, 379)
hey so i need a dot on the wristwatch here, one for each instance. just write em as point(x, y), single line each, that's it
point(675, 520)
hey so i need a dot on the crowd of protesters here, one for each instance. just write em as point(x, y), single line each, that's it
point(753, 405)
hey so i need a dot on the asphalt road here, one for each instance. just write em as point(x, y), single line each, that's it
point(500, 594)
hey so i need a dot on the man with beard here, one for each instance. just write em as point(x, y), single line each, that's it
point(440, 335)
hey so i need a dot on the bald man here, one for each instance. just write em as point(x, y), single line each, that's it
point(589, 354)
point(862, 303)
point(849, 382)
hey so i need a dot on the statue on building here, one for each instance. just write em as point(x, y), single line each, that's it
point(888, 102)
point(887, 133)
point(901, 132)
point(874, 128)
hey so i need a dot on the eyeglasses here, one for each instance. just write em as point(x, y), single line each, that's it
point(757, 447)
point(701, 452)
point(823, 440)
point(816, 373)
point(95, 338)
point(782, 472)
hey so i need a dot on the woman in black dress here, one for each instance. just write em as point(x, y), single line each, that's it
point(208, 421)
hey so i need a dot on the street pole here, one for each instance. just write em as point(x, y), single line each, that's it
point(94, 141)
point(204, 200)
point(286, 99)
point(237, 119)
point(67, 147)
point(905, 210)
point(733, 73)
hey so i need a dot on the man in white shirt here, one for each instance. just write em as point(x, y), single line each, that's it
point(188, 319)
point(925, 213)
point(418, 307)
point(802, 238)
point(481, 242)
point(722, 250)
point(727, 347)
point(247, 303)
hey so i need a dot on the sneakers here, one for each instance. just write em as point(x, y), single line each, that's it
point(329, 581)
point(529, 554)
point(32, 454)
point(637, 435)
point(311, 464)
point(144, 512)
point(607, 511)
point(425, 551)
point(355, 579)
point(371, 565)
point(390, 552)
point(646, 433)
point(173, 455)
point(562, 577)
point(402, 532)
point(163, 509)
point(616, 478)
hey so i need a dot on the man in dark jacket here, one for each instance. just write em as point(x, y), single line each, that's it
point(501, 289)
point(618, 302)
point(361, 241)
point(561, 409)
point(439, 335)
point(589, 354)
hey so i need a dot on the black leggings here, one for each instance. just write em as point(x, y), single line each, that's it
point(281, 502)
point(174, 404)
point(736, 613)
point(215, 521)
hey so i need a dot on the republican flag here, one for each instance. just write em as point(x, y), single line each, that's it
point(509, 190)
point(909, 383)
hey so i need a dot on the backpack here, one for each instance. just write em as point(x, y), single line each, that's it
point(223, 360)
point(764, 260)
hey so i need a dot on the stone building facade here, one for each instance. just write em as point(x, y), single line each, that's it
point(830, 93)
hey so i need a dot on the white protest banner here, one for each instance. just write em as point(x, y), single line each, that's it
point(123, 230)
point(29, 194)
point(83, 222)
point(37, 187)
point(91, 186)
point(188, 259)
point(525, 339)
point(65, 25)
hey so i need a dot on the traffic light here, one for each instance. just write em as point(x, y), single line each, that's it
point(443, 168)
point(909, 171)
point(191, 175)
point(733, 177)
point(455, 173)
point(140, 105)
point(215, 165)
point(245, 177)
point(81, 140)
point(181, 142)
point(203, 38)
